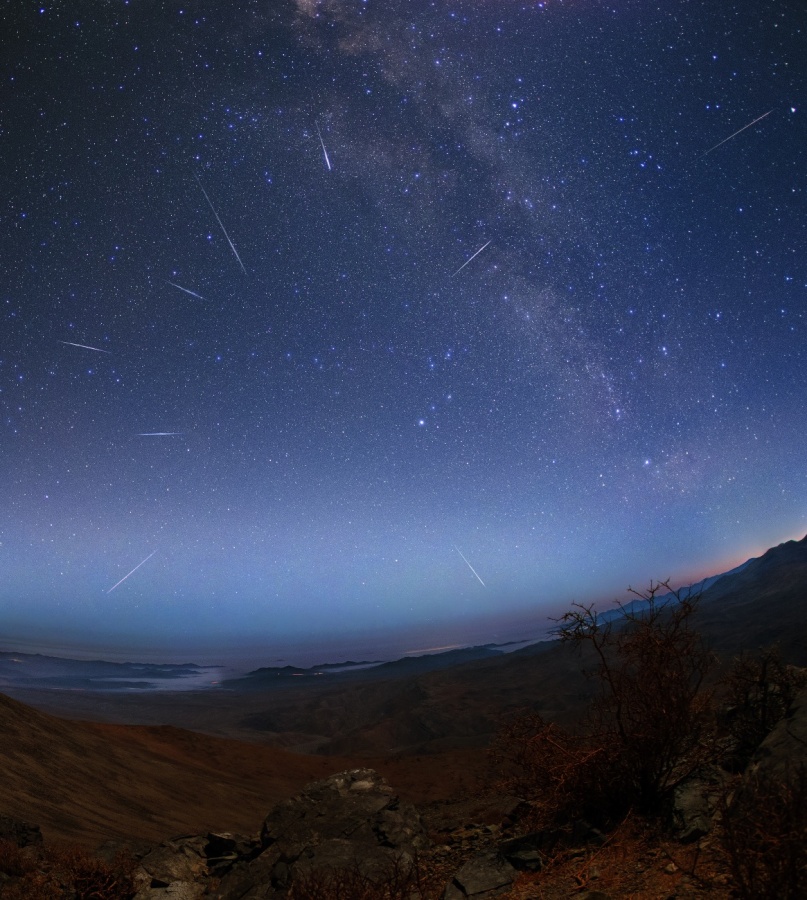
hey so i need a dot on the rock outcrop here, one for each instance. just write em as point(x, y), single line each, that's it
point(695, 803)
point(486, 875)
point(352, 821)
point(785, 748)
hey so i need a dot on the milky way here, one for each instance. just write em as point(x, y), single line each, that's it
point(524, 279)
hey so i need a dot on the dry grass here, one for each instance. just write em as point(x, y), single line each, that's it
point(764, 832)
point(63, 873)
point(759, 690)
point(402, 880)
point(649, 727)
point(563, 775)
point(636, 862)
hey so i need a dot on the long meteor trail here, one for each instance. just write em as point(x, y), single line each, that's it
point(470, 566)
point(472, 258)
point(157, 433)
point(322, 144)
point(85, 347)
point(221, 225)
point(192, 293)
point(759, 119)
point(132, 572)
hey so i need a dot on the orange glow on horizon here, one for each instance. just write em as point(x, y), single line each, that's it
point(737, 558)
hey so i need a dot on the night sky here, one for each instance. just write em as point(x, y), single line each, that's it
point(313, 419)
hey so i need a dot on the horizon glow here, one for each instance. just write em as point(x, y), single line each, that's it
point(524, 334)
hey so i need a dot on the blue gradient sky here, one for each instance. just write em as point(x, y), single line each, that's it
point(611, 391)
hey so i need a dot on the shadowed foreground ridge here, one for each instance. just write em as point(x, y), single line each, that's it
point(350, 836)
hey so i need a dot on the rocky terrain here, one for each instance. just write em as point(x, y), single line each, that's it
point(351, 835)
point(211, 765)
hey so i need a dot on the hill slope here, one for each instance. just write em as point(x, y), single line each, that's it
point(763, 604)
point(91, 782)
point(96, 781)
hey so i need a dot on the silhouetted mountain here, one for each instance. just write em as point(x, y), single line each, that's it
point(435, 662)
point(692, 590)
point(762, 604)
point(780, 567)
point(348, 664)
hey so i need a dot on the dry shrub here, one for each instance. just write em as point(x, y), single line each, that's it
point(565, 775)
point(760, 689)
point(14, 861)
point(70, 873)
point(93, 878)
point(403, 879)
point(34, 886)
point(764, 833)
point(649, 727)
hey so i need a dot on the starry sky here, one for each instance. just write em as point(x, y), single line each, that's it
point(341, 326)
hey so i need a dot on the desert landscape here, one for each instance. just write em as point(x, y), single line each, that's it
point(103, 768)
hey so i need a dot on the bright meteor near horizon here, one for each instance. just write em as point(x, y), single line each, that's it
point(470, 566)
point(132, 572)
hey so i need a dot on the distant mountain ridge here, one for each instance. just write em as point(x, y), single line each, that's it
point(692, 590)
point(268, 676)
point(788, 557)
point(400, 707)
point(34, 670)
point(728, 613)
point(762, 604)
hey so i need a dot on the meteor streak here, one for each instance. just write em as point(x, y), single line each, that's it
point(157, 433)
point(132, 572)
point(192, 293)
point(759, 119)
point(85, 347)
point(469, 260)
point(463, 555)
point(221, 225)
point(322, 143)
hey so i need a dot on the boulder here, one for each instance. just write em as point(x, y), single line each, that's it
point(357, 805)
point(695, 804)
point(223, 850)
point(486, 875)
point(352, 820)
point(180, 859)
point(526, 852)
point(784, 750)
point(182, 866)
